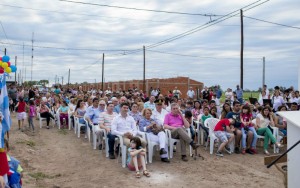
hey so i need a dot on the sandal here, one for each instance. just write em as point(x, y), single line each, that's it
point(267, 153)
point(137, 174)
point(146, 173)
point(278, 145)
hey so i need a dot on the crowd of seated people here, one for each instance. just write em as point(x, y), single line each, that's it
point(128, 113)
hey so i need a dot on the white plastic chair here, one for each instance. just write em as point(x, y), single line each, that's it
point(150, 147)
point(41, 119)
point(88, 130)
point(123, 148)
point(105, 138)
point(78, 125)
point(70, 113)
point(95, 136)
point(276, 135)
point(172, 141)
point(58, 119)
point(211, 123)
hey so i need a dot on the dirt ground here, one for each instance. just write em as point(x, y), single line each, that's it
point(57, 158)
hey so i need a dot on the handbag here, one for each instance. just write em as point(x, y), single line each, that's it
point(156, 129)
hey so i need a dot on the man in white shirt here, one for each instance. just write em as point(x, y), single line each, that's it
point(265, 88)
point(154, 92)
point(159, 113)
point(150, 104)
point(124, 125)
point(228, 94)
point(191, 94)
point(177, 93)
point(108, 91)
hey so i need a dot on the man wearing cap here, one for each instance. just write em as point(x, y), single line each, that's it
point(176, 123)
point(159, 113)
point(150, 104)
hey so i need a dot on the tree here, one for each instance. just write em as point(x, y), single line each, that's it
point(44, 82)
point(30, 83)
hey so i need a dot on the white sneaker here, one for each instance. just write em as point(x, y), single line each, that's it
point(220, 154)
point(227, 149)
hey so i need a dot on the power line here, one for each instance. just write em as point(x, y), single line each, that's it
point(4, 33)
point(279, 24)
point(141, 9)
point(94, 15)
point(63, 48)
point(204, 57)
point(196, 29)
point(204, 26)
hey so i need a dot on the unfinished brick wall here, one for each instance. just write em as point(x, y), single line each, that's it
point(165, 85)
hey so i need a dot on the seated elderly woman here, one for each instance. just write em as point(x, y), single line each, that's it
point(155, 132)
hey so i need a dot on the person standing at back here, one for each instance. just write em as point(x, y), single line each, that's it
point(177, 93)
point(191, 94)
point(239, 94)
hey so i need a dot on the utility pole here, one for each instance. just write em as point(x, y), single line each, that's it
point(102, 86)
point(22, 75)
point(16, 71)
point(62, 81)
point(25, 75)
point(32, 54)
point(69, 78)
point(263, 78)
point(4, 51)
point(144, 75)
point(242, 51)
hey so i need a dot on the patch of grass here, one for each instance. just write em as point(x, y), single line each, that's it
point(30, 143)
point(63, 131)
point(27, 142)
point(41, 175)
point(38, 175)
point(246, 96)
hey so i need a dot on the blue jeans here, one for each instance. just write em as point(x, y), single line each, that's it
point(244, 137)
point(284, 132)
point(206, 130)
point(241, 100)
point(30, 121)
point(111, 142)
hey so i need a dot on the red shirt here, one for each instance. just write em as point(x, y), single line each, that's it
point(21, 107)
point(221, 123)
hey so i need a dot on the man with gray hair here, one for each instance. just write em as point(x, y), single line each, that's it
point(176, 123)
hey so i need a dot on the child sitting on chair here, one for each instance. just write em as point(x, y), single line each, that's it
point(224, 133)
point(136, 157)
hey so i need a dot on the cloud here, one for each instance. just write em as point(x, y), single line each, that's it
point(215, 50)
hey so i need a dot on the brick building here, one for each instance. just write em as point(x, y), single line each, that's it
point(165, 85)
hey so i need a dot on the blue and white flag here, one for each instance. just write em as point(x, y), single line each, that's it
point(4, 109)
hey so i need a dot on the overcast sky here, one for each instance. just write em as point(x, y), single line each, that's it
point(210, 55)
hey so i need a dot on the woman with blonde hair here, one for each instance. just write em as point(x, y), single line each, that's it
point(155, 132)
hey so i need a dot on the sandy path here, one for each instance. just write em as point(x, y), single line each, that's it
point(55, 158)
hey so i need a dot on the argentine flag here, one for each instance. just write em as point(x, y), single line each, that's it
point(4, 109)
